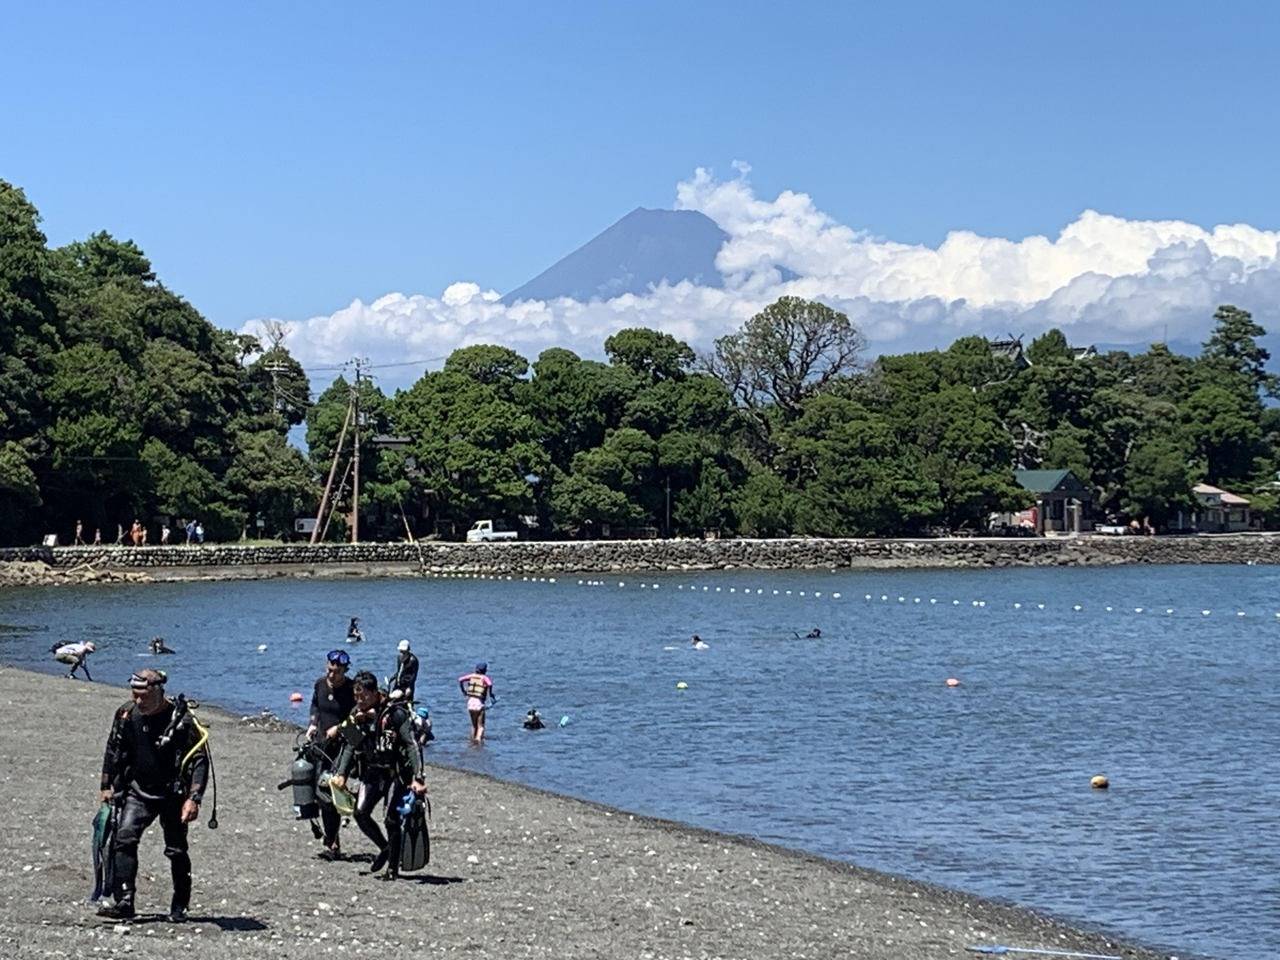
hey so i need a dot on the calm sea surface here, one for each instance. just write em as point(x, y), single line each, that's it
point(850, 746)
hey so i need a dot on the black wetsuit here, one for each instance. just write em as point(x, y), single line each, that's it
point(328, 709)
point(147, 784)
point(406, 677)
point(388, 760)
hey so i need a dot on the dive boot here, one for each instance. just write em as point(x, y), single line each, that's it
point(177, 914)
point(120, 910)
point(381, 859)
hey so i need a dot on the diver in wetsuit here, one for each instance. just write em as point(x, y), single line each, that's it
point(331, 703)
point(155, 765)
point(533, 720)
point(406, 678)
point(353, 631)
point(158, 646)
point(379, 738)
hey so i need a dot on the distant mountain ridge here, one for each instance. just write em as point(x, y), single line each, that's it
point(640, 251)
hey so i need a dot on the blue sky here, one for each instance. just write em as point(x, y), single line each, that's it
point(283, 159)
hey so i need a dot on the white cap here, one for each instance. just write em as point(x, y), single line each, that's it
point(404, 645)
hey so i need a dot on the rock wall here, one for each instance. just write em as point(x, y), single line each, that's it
point(656, 555)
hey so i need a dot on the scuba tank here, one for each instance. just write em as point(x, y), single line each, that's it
point(302, 777)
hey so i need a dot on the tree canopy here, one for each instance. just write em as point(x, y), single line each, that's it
point(118, 400)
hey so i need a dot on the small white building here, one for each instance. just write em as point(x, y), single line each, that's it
point(1217, 511)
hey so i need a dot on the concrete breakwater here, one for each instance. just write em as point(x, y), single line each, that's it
point(234, 561)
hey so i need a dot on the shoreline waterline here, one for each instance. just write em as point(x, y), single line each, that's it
point(539, 853)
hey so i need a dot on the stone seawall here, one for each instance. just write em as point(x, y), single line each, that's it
point(647, 555)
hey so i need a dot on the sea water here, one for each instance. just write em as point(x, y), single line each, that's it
point(851, 745)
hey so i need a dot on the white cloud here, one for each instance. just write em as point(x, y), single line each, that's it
point(1101, 278)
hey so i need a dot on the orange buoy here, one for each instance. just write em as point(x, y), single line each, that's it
point(295, 697)
point(952, 682)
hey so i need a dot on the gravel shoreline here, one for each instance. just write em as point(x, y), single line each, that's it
point(515, 871)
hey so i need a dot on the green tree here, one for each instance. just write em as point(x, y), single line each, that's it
point(1158, 481)
point(650, 354)
point(791, 350)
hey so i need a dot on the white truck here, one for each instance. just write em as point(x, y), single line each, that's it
point(483, 531)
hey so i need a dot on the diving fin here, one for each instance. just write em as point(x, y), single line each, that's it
point(415, 840)
point(104, 834)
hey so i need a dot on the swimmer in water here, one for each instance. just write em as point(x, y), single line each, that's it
point(158, 646)
point(698, 643)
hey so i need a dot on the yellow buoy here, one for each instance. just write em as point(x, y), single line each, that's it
point(1099, 782)
point(682, 685)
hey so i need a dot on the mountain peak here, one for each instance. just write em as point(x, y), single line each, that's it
point(643, 249)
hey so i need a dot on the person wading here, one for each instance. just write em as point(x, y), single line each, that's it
point(477, 687)
point(406, 678)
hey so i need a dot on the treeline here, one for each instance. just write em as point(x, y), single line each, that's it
point(118, 400)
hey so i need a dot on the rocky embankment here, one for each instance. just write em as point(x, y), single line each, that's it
point(82, 564)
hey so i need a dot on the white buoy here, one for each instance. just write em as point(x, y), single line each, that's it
point(1077, 607)
point(1205, 613)
point(866, 596)
point(262, 648)
point(955, 603)
point(1239, 613)
point(836, 596)
point(1137, 609)
point(884, 596)
point(982, 603)
point(1108, 609)
point(1017, 606)
point(933, 599)
point(1039, 606)
point(733, 589)
point(1168, 609)
point(915, 599)
point(902, 599)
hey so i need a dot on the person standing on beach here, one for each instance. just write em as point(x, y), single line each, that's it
point(97, 536)
point(406, 678)
point(332, 701)
point(75, 655)
point(155, 765)
point(379, 735)
point(477, 687)
point(79, 540)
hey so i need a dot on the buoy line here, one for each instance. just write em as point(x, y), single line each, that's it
point(834, 595)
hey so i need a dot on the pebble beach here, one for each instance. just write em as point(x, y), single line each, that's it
point(515, 872)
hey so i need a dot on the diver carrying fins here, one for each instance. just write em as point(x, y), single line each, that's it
point(156, 764)
point(379, 742)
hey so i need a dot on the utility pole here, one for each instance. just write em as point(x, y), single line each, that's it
point(333, 469)
point(355, 483)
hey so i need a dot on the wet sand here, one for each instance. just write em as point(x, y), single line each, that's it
point(515, 872)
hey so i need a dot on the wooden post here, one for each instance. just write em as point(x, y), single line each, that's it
point(333, 469)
